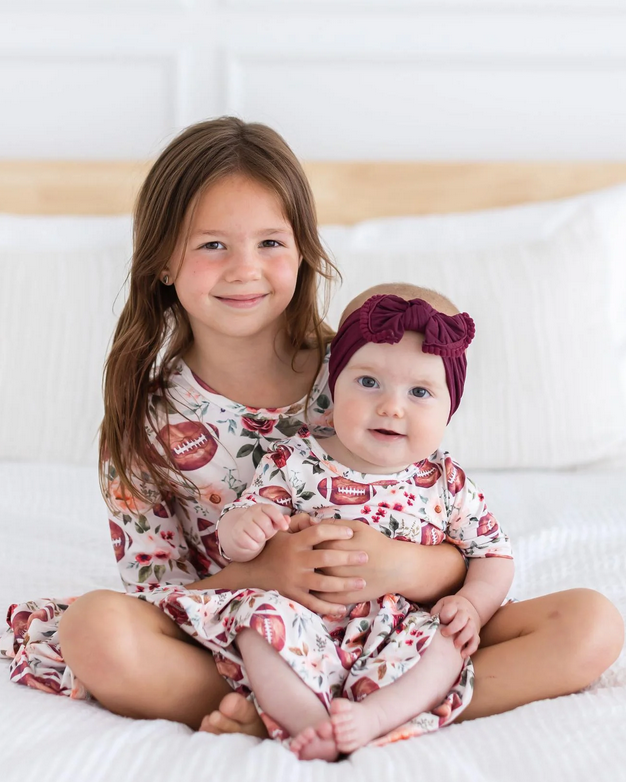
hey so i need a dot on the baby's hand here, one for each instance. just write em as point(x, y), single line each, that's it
point(243, 531)
point(459, 618)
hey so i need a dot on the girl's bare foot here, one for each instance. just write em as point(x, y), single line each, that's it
point(235, 715)
point(316, 743)
point(353, 724)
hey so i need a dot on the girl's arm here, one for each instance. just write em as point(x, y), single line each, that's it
point(148, 540)
point(422, 574)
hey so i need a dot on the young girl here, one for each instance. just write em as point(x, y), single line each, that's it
point(397, 372)
point(215, 354)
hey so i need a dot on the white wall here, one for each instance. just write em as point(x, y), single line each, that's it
point(386, 79)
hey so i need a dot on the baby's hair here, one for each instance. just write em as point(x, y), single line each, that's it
point(404, 290)
point(153, 329)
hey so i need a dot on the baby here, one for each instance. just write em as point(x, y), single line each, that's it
point(396, 374)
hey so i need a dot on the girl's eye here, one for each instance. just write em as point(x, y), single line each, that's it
point(367, 382)
point(210, 246)
point(271, 242)
point(419, 392)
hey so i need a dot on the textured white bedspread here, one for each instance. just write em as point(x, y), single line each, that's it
point(568, 530)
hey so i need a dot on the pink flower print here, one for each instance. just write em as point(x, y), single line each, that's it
point(167, 534)
point(366, 509)
point(398, 506)
point(162, 556)
point(435, 512)
point(261, 425)
point(125, 502)
point(383, 504)
point(143, 559)
point(216, 495)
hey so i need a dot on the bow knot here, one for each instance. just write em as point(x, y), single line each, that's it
point(385, 318)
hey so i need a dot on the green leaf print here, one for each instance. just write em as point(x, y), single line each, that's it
point(306, 495)
point(288, 427)
point(323, 402)
point(393, 524)
point(144, 573)
point(141, 524)
point(126, 518)
point(245, 450)
point(159, 570)
point(257, 455)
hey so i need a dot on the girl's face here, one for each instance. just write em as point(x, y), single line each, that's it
point(240, 262)
point(391, 405)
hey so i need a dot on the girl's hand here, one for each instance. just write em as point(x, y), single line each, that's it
point(301, 521)
point(459, 619)
point(244, 531)
point(290, 563)
point(422, 574)
point(380, 570)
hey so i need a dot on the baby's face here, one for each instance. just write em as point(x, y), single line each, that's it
point(391, 405)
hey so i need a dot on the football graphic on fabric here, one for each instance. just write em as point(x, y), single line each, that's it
point(362, 688)
point(119, 538)
point(228, 668)
point(454, 476)
point(191, 444)
point(277, 494)
point(270, 625)
point(431, 535)
point(486, 524)
point(427, 475)
point(343, 491)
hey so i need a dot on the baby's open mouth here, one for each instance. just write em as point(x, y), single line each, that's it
point(388, 431)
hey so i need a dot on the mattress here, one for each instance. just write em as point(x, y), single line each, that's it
point(568, 530)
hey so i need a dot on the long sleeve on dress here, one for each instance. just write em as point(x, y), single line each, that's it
point(148, 539)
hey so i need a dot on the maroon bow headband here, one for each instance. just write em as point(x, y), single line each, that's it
point(385, 318)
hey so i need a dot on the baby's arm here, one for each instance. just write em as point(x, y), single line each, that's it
point(243, 531)
point(462, 615)
point(490, 570)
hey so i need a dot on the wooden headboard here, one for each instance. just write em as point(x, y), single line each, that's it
point(345, 192)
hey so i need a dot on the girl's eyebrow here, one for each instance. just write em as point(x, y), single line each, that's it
point(264, 232)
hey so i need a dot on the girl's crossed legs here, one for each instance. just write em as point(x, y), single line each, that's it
point(137, 662)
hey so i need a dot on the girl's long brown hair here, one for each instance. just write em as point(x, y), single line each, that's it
point(153, 329)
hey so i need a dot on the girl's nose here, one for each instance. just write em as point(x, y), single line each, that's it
point(243, 267)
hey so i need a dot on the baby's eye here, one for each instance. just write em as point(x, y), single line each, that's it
point(210, 246)
point(419, 392)
point(367, 382)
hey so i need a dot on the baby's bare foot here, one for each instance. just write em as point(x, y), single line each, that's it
point(353, 724)
point(316, 743)
point(235, 715)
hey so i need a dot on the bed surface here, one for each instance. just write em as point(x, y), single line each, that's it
point(568, 530)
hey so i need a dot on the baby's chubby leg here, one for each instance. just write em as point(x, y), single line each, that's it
point(420, 689)
point(286, 698)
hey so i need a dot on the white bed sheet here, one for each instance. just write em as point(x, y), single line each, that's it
point(568, 530)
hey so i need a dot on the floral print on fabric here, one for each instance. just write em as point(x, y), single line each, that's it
point(217, 443)
point(427, 503)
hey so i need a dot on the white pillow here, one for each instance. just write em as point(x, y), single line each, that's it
point(59, 302)
point(493, 228)
point(544, 386)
